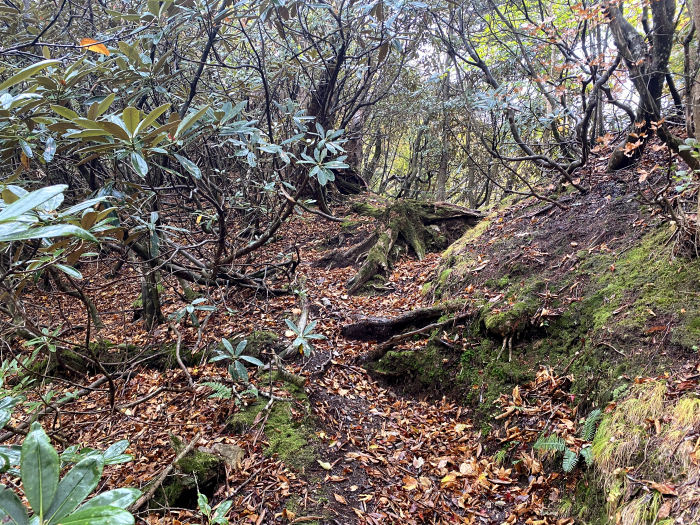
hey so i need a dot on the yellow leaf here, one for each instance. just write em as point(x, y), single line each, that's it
point(410, 483)
point(92, 45)
point(324, 464)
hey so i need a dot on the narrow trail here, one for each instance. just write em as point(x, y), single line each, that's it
point(378, 456)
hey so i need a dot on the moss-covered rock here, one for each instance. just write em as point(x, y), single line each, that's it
point(198, 471)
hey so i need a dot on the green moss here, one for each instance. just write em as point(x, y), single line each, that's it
point(350, 226)
point(512, 320)
point(444, 275)
point(290, 439)
point(631, 291)
point(200, 464)
point(198, 471)
point(362, 208)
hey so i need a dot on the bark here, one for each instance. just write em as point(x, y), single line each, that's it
point(381, 329)
point(421, 226)
point(371, 166)
point(441, 183)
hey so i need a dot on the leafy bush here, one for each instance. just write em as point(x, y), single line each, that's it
point(55, 500)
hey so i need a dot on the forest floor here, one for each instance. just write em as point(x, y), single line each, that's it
point(355, 446)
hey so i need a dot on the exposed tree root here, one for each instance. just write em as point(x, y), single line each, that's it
point(421, 226)
point(382, 329)
point(381, 350)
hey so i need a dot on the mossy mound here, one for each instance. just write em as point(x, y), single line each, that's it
point(512, 320)
point(287, 435)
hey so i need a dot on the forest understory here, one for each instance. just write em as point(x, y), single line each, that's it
point(541, 333)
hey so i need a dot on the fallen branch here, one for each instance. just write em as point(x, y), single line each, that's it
point(154, 394)
point(612, 347)
point(159, 480)
point(177, 355)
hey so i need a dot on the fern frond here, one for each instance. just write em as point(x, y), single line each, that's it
point(590, 425)
point(550, 443)
point(220, 391)
point(586, 454)
point(570, 460)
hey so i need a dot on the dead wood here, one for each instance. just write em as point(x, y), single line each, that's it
point(381, 329)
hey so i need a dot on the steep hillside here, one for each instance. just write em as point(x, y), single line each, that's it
point(598, 290)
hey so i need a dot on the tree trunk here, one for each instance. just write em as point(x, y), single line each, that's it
point(647, 67)
point(422, 226)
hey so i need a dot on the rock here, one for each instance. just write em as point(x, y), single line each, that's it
point(231, 454)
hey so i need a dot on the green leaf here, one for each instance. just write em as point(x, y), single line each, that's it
point(240, 347)
point(65, 112)
point(587, 455)
point(238, 371)
point(12, 512)
point(151, 118)
point(5, 416)
point(589, 427)
point(39, 466)
point(139, 163)
point(292, 326)
point(99, 516)
point(570, 460)
point(26, 148)
point(30, 201)
point(69, 270)
point(190, 166)
point(74, 488)
point(120, 498)
point(131, 119)
point(27, 72)
point(227, 346)
point(104, 105)
point(114, 454)
point(221, 511)
point(252, 360)
point(203, 504)
point(47, 232)
point(189, 121)
point(550, 443)
point(50, 149)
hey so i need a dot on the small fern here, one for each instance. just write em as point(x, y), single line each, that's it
point(550, 443)
point(570, 460)
point(589, 427)
point(220, 391)
point(587, 456)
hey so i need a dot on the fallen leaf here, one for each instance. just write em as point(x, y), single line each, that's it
point(340, 499)
point(324, 464)
point(410, 483)
point(665, 489)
